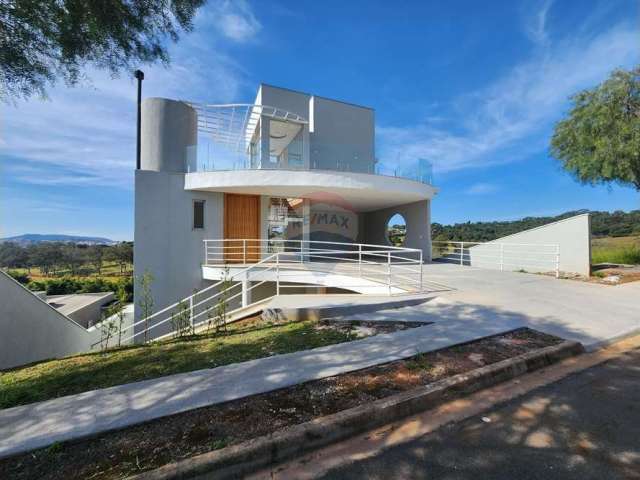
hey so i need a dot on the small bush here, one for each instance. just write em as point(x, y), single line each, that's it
point(69, 285)
point(18, 276)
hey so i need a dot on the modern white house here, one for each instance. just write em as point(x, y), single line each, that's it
point(282, 195)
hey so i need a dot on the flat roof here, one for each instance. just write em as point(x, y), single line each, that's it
point(317, 96)
point(67, 304)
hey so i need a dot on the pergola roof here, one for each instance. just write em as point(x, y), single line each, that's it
point(233, 125)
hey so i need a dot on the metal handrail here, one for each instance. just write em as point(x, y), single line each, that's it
point(501, 254)
point(283, 264)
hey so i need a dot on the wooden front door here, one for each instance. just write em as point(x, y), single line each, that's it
point(241, 221)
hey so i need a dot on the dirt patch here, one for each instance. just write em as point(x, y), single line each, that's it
point(143, 447)
point(614, 275)
point(363, 329)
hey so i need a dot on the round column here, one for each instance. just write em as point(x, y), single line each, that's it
point(169, 136)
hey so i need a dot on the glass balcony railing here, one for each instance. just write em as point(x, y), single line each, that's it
point(202, 160)
point(251, 137)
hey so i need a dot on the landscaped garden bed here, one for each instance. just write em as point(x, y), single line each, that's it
point(143, 447)
point(244, 340)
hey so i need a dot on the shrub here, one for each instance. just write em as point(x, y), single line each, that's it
point(69, 285)
point(18, 276)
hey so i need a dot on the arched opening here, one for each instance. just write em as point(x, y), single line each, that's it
point(396, 230)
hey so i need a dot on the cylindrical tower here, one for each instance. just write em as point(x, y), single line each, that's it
point(169, 135)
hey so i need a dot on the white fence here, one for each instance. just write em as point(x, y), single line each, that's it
point(532, 257)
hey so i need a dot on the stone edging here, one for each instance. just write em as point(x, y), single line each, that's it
point(246, 457)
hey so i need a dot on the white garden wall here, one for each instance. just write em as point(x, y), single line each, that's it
point(532, 250)
point(31, 330)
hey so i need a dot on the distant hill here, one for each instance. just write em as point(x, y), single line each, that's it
point(603, 224)
point(30, 238)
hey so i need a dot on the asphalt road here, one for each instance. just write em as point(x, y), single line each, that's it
point(586, 426)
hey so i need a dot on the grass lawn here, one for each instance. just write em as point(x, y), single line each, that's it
point(244, 341)
point(616, 250)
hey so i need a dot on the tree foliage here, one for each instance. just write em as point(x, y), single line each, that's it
point(60, 258)
point(42, 40)
point(603, 224)
point(599, 141)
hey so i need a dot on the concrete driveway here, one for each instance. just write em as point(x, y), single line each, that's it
point(590, 313)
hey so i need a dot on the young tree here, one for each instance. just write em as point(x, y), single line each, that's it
point(223, 301)
point(43, 40)
point(181, 319)
point(122, 254)
point(146, 301)
point(108, 327)
point(599, 141)
point(73, 257)
point(121, 301)
point(95, 254)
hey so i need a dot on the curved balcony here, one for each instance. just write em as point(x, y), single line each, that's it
point(359, 192)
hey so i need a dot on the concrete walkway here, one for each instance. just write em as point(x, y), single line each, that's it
point(40, 424)
point(481, 303)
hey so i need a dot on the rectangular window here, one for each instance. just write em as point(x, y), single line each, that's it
point(198, 214)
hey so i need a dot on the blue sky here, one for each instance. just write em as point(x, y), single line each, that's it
point(475, 87)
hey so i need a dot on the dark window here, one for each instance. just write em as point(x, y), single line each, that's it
point(198, 214)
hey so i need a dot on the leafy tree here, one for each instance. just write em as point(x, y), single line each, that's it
point(41, 40)
point(599, 142)
point(602, 224)
point(122, 254)
point(95, 255)
point(13, 256)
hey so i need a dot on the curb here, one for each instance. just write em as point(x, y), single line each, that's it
point(238, 460)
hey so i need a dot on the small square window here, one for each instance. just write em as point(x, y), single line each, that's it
point(198, 214)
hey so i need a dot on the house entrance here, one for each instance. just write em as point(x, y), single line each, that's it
point(241, 221)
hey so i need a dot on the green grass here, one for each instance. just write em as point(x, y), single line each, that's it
point(56, 378)
point(616, 250)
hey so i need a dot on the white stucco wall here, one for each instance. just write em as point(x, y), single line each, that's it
point(573, 235)
point(418, 220)
point(340, 134)
point(343, 136)
point(165, 242)
point(32, 330)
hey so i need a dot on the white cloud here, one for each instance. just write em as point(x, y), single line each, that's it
point(236, 20)
point(481, 189)
point(536, 28)
point(510, 118)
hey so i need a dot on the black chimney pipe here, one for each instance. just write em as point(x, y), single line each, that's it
point(139, 74)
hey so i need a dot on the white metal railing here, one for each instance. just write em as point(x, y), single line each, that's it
point(398, 268)
point(395, 269)
point(199, 306)
point(536, 257)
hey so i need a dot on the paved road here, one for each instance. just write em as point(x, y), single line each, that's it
point(586, 426)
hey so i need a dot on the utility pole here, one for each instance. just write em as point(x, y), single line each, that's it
point(139, 74)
